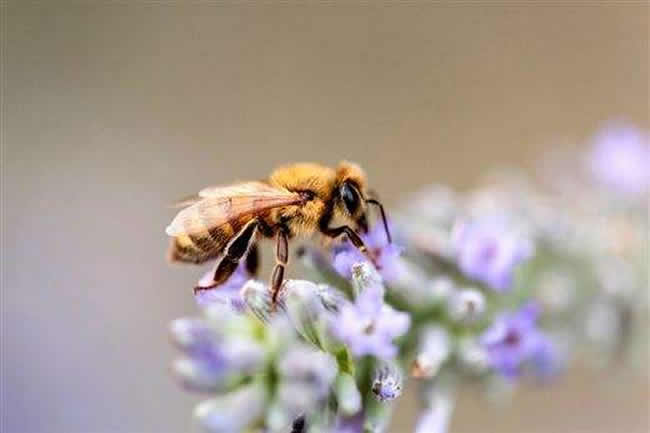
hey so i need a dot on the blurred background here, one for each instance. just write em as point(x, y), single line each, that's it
point(113, 110)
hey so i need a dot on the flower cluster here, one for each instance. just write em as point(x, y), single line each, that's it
point(507, 282)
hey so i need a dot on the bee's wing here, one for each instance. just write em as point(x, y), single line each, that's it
point(223, 190)
point(219, 205)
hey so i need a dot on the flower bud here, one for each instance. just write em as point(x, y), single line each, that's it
point(466, 305)
point(365, 277)
point(433, 351)
point(347, 394)
point(305, 309)
point(232, 412)
point(192, 335)
point(258, 298)
point(387, 383)
point(472, 355)
point(197, 375)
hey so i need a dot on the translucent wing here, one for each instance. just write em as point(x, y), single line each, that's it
point(219, 205)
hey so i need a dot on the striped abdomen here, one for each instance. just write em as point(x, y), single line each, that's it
point(200, 247)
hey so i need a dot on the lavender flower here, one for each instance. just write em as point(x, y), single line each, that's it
point(387, 255)
point(387, 383)
point(466, 305)
point(620, 159)
point(212, 360)
point(488, 250)
point(368, 326)
point(434, 349)
point(226, 294)
point(305, 378)
point(514, 339)
point(232, 412)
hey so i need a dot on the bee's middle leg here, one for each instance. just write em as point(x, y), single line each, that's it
point(281, 260)
point(236, 249)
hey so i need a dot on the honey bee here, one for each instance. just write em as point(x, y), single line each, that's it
point(224, 223)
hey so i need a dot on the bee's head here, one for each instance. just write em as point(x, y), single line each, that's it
point(352, 195)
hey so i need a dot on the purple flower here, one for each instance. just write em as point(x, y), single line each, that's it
point(620, 159)
point(211, 358)
point(514, 340)
point(227, 294)
point(234, 411)
point(488, 250)
point(368, 327)
point(387, 255)
point(305, 378)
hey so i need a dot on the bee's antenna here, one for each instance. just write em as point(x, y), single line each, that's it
point(383, 217)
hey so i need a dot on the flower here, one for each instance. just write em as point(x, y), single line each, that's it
point(514, 339)
point(620, 159)
point(233, 411)
point(387, 383)
point(226, 294)
point(488, 250)
point(212, 360)
point(348, 396)
point(305, 377)
point(466, 305)
point(368, 326)
point(387, 255)
point(257, 297)
point(434, 349)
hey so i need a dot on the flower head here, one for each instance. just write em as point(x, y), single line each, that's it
point(488, 250)
point(620, 159)
point(387, 255)
point(514, 339)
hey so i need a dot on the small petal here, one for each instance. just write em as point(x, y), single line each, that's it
point(232, 412)
point(198, 376)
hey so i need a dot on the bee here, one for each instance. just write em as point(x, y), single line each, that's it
point(224, 223)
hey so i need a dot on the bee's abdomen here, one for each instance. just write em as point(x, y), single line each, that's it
point(200, 247)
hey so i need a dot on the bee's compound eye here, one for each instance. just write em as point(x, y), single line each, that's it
point(350, 197)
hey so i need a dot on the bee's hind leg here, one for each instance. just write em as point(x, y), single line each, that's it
point(281, 259)
point(236, 249)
